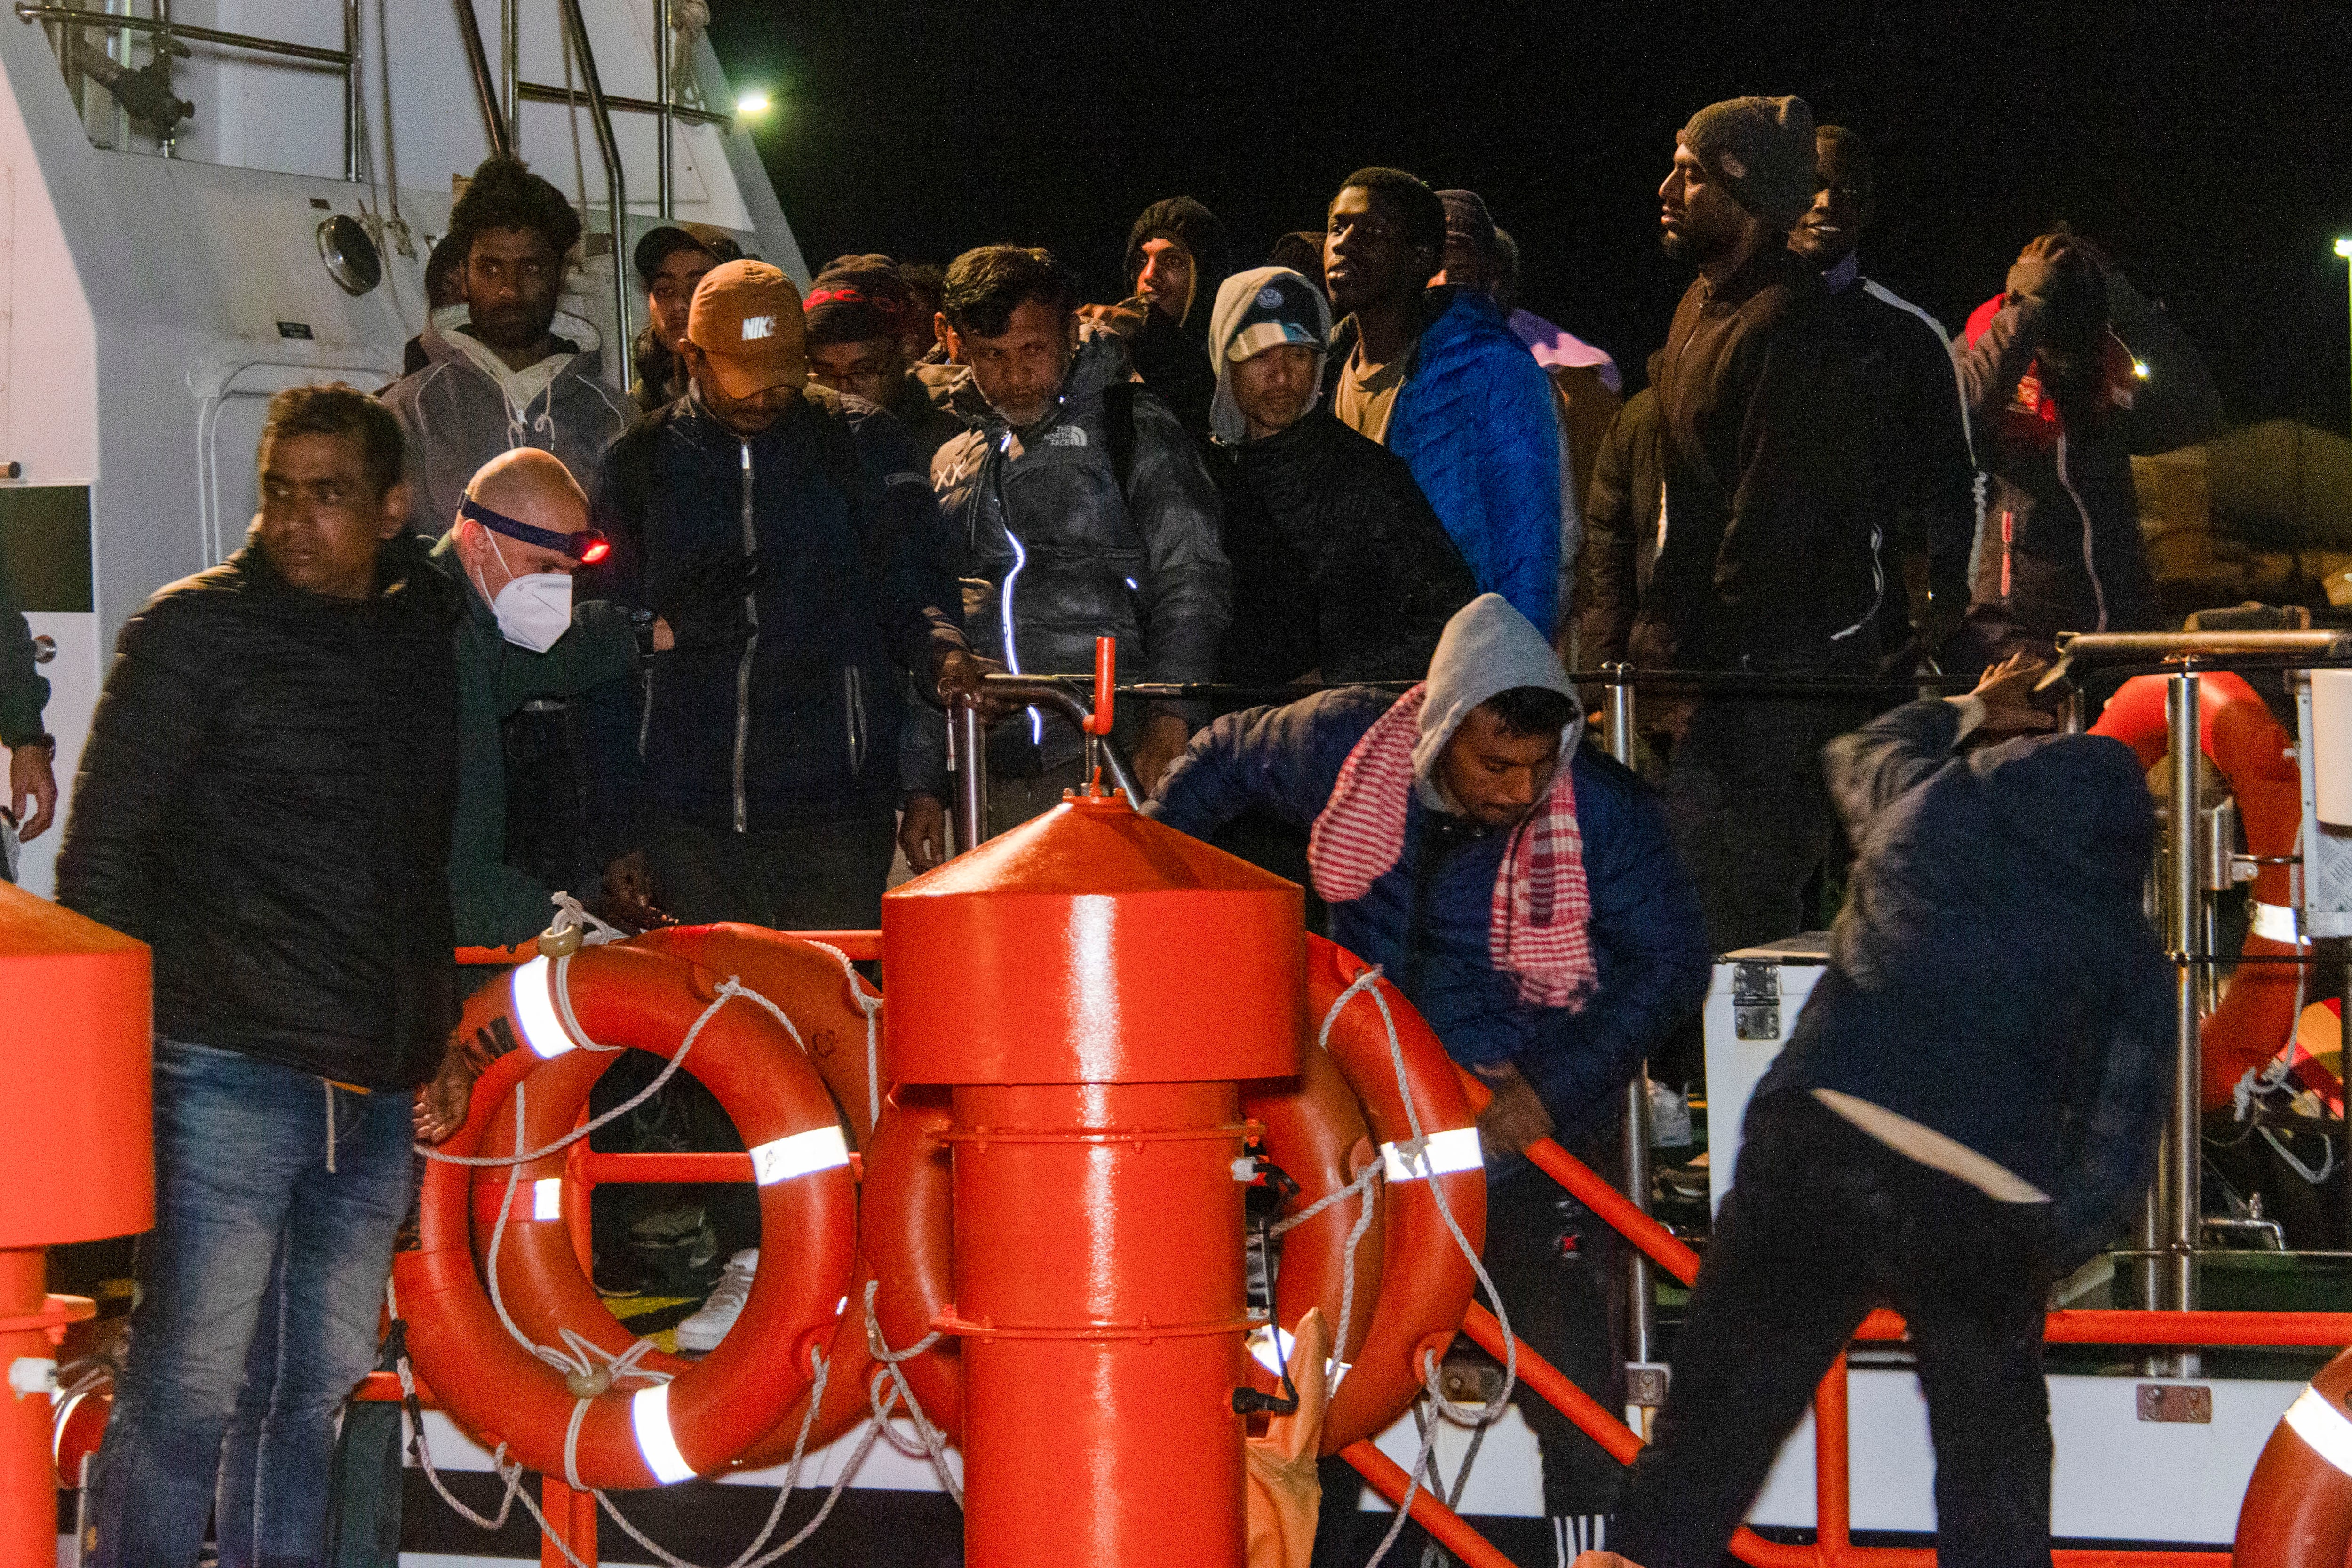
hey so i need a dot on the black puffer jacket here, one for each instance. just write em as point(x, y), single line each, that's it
point(1172, 355)
point(1056, 552)
point(1339, 565)
point(266, 800)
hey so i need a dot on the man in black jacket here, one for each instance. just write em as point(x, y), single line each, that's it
point(266, 800)
point(1766, 558)
point(1963, 1115)
point(1175, 262)
point(784, 536)
point(1341, 572)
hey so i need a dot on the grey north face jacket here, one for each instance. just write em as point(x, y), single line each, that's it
point(1055, 550)
point(455, 416)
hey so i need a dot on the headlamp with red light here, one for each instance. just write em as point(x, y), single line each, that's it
point(587, 547)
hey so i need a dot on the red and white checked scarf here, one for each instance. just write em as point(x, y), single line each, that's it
point(1542, 907)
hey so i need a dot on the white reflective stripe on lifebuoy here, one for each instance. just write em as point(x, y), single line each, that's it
point(2275, 922)
point(1444, 1153)
point(649, 1417)
point(1262, 1344)
point(547, 1198)
point(2326, 1429)
point(534, 1012)
point(797, 1154)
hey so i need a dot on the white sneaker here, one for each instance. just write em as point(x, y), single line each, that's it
point(702, 1331)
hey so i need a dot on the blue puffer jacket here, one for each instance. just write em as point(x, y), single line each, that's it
point(784, 705)
point(1474, 421)
point(1426, 921)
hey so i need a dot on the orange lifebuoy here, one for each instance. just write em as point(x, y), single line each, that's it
point(715, 1409)
point(1315, 1134)
point(2257, 1012)
point(906, 1237)
point(2298, 1507)
point(1425, 1280)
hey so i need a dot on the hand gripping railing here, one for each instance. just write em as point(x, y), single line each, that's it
point(968, 735)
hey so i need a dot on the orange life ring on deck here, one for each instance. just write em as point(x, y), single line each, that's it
point(540, 1277)
point(2298, 1507)
point(813, 983)
point(1316, 1134)
point(907, 1239)
point(2257, 1012)
point(719, 1406)
point(1425, 1281)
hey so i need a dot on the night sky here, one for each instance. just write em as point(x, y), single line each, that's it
point(2208, 146)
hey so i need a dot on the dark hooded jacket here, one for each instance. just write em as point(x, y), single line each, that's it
point(1172, 357)
point(1054, 552)
point(266, 801)
point(1427, 919)
point(1992, 975)
point(1339, 567)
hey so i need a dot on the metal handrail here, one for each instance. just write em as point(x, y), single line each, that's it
point(477, 59)
point(539, 92)
point(345, 60)
point(616, 190)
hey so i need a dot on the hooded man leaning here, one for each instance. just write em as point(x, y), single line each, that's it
point(1529, 902)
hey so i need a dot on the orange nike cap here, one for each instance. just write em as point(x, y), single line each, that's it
point(746, 316)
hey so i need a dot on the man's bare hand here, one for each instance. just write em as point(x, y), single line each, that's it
point(1516, 1117)
point(965, 674)
point(1164, 736)
point(2006, 690)
point(441, 1104)
point(1126, 320)
point(32, 791)
point(923, 832)
point(626, 893)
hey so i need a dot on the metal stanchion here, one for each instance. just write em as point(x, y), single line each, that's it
point(1645, 1377)
point(2180, 1185)
point(968, 744)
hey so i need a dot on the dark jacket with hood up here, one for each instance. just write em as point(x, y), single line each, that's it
point(1426, 920)
point(266, 800)
point(1172, 356)
point(1055, 553)
point(806, 573)
point(1992, 975)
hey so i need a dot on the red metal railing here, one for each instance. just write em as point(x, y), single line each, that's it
point(1834, 1545)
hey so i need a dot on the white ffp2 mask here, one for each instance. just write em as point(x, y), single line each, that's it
point(533, 610)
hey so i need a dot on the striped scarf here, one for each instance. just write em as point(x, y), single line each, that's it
point(1537, 930)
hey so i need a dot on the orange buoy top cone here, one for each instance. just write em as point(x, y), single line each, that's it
point(1094, 987)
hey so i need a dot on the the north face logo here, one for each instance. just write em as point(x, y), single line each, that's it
point(1066, 436)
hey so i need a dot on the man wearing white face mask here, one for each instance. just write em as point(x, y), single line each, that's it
point(545, 760)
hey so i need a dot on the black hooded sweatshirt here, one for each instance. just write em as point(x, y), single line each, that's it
point(1992, 975)
point(1172, 357)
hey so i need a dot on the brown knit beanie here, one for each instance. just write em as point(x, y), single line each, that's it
point(1762, 151)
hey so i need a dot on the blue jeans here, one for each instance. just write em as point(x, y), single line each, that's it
point(277, 1196)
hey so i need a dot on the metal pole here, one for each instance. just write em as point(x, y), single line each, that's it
point(2182, 1195)
point(353, 131)
point(494, 124)
point(617, 191)
point(664, 194)
point(2070, 715)
point(1641, 1318)
point(510, 70)
point(970, 739)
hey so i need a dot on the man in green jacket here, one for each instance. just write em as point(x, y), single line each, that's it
point(545, 732)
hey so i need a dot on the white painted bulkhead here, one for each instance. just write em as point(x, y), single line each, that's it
point(153, 304)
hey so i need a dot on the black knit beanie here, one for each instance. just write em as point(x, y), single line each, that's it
point(1762, 151)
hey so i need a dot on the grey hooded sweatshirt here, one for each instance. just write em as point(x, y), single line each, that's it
point(458, 413)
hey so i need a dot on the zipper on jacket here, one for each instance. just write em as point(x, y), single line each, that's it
point(853, 714)
point(2090, 557)
point(750, 647)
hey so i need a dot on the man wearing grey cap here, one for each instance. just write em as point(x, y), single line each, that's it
point(1766, 558)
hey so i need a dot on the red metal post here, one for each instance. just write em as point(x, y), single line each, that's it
point(1093, 987)
point(571, 1519)
point(1832, 1455)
